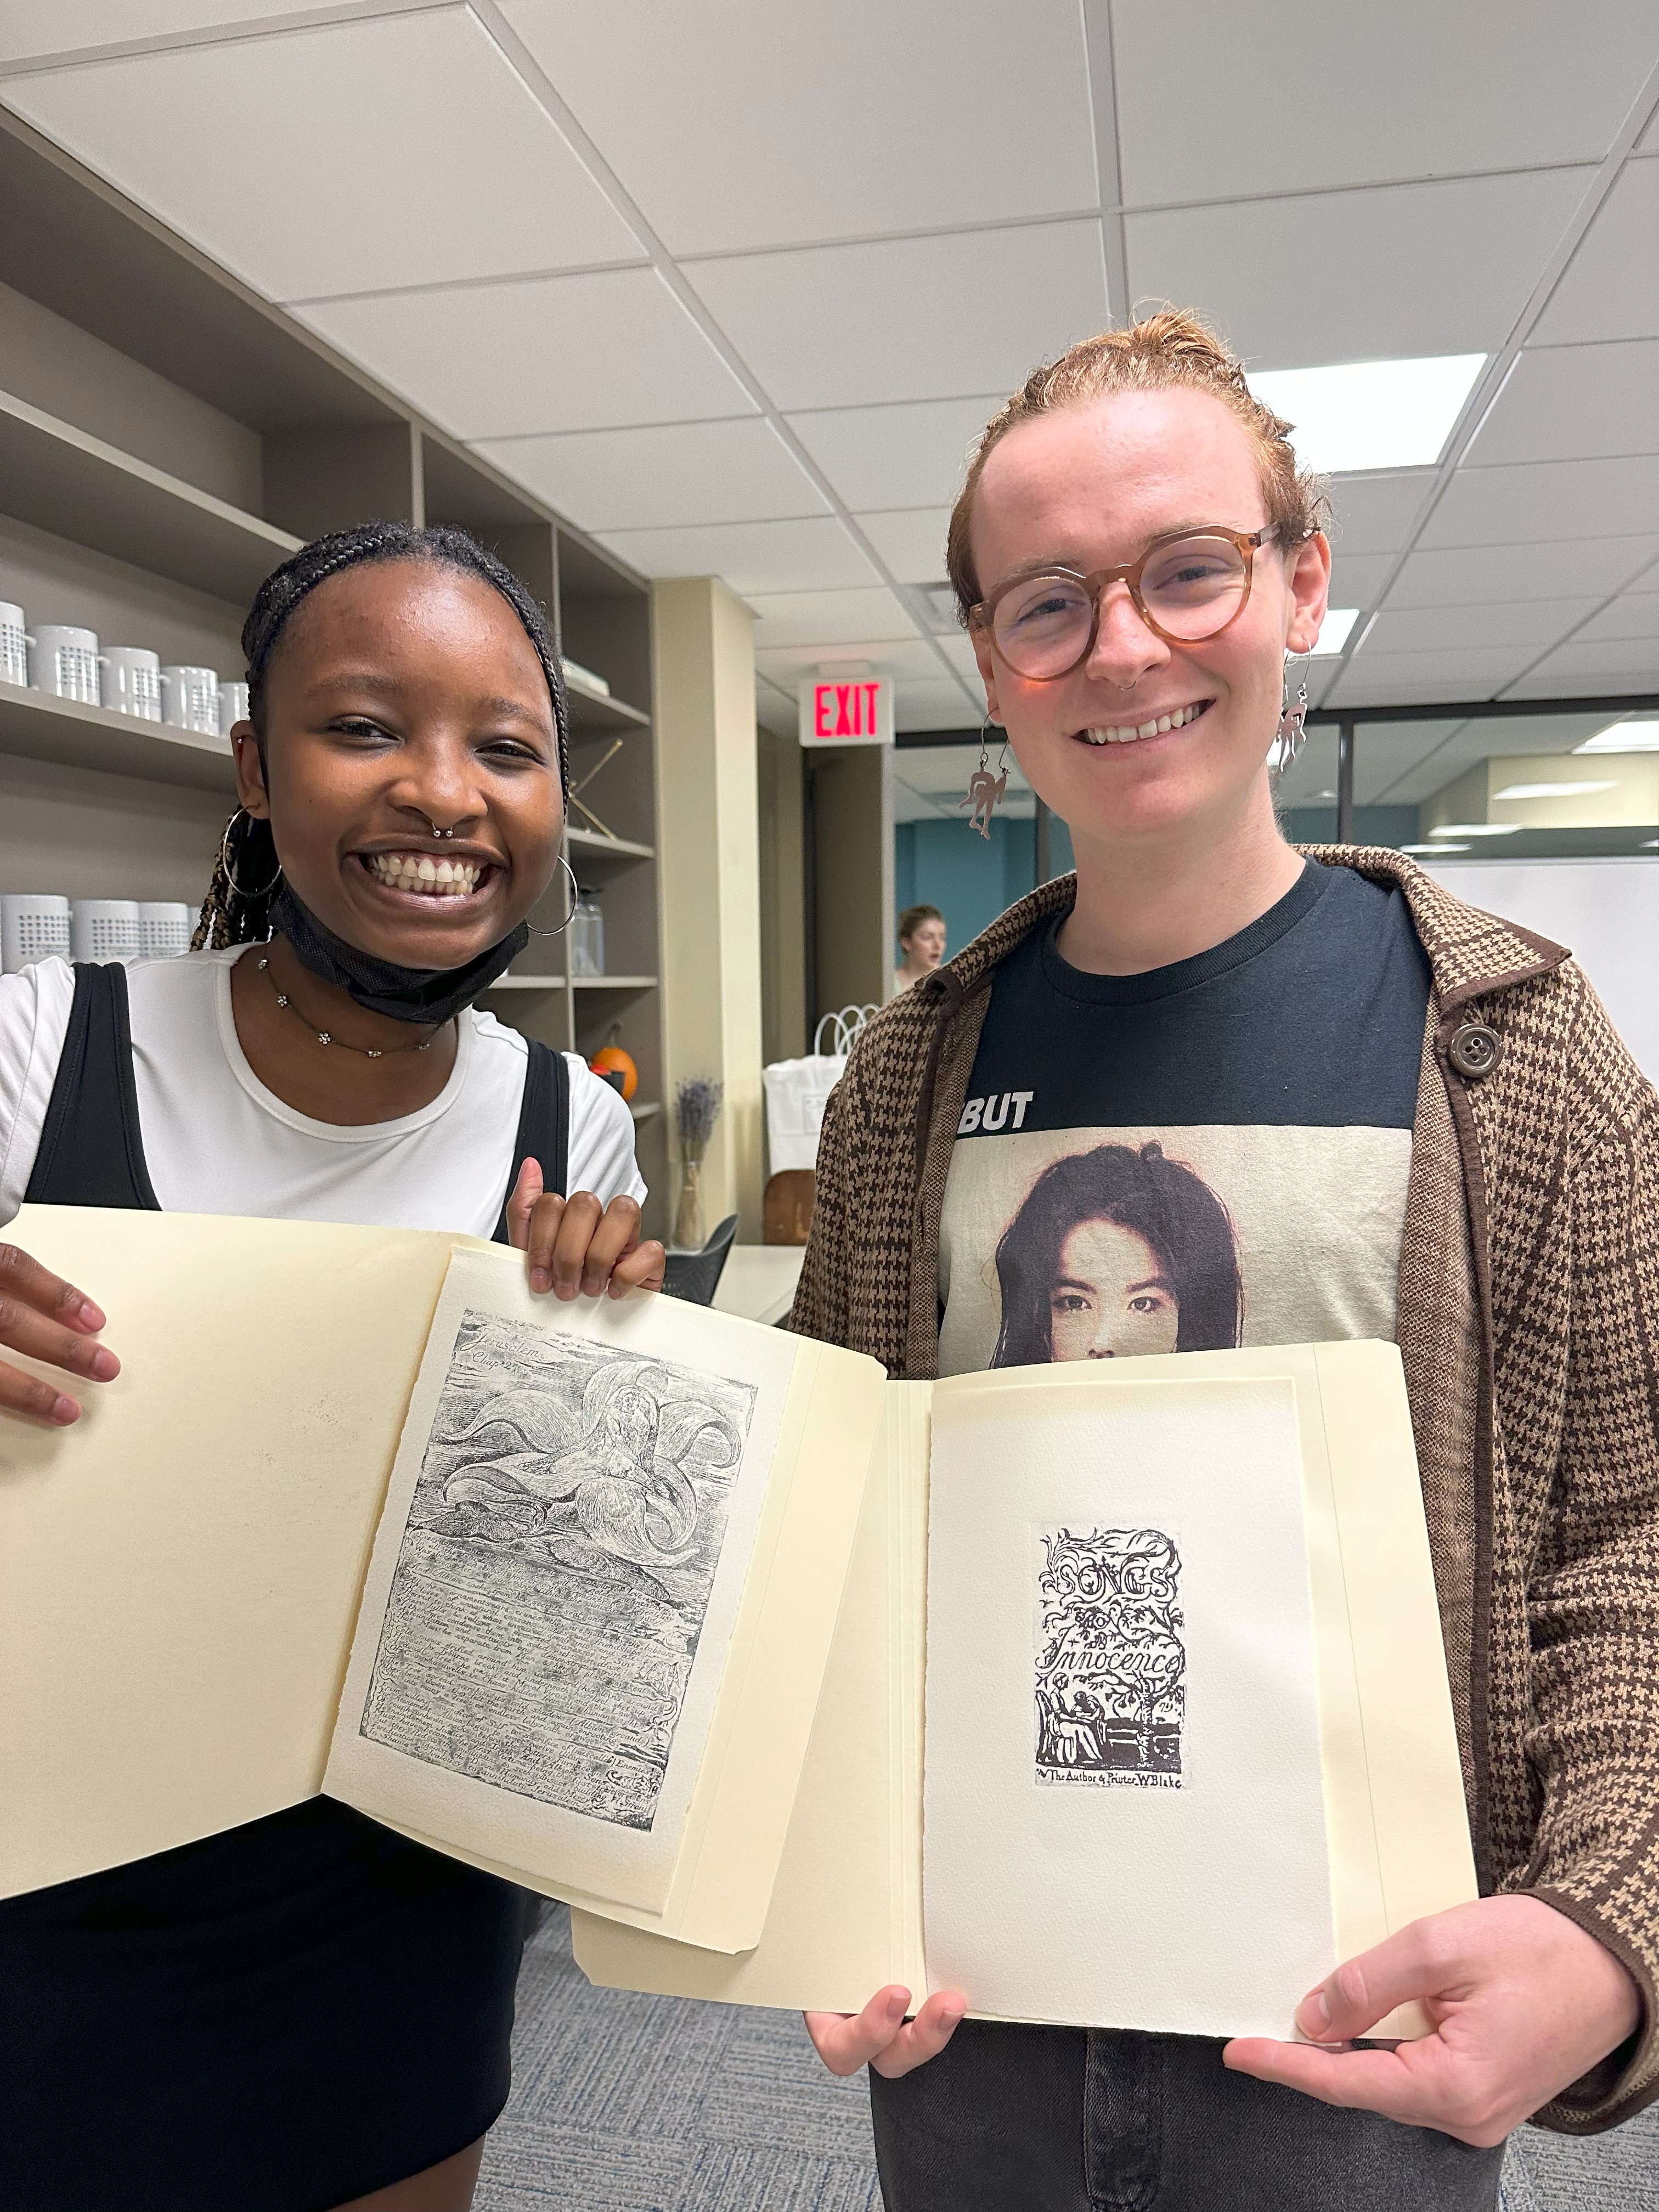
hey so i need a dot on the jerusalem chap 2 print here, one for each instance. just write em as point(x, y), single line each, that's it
point(555, 1567)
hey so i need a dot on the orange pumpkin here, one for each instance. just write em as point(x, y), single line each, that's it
point(611, 1060)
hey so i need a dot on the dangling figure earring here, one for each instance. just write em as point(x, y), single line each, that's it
point(985, 791)
point(1292, 715)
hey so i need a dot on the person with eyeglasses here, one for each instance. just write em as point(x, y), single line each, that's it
point(1417, 1123)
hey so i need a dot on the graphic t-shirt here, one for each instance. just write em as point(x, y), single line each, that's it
point(1210, 1154)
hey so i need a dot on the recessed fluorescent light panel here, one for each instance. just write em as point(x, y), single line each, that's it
point(1439, 851)
point(1334, 630)
point(1370, 413)
point(1550, 790)
point(1632, 737)
point(1475, 829)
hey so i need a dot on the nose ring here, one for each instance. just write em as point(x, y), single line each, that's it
point(437, 832)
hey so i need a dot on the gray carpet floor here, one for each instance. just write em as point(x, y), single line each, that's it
point(632, 2104)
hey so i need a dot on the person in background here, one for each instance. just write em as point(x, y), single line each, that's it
point(308, 2011)
point(1435, 1135)
point(921, 940)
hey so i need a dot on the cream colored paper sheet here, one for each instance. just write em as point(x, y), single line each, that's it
point(179, 1570)
point(706, 1862)
point(846, 1914)
point(1184, 1886)
point(1393, 1804)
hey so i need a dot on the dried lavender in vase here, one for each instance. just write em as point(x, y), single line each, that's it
point(697, 1110)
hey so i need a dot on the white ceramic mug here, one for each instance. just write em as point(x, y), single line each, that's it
point(66, 662)
point(103, 929)
point(190, 698)
point(133, 681)
point(14, 644)
point(232, 706)
point(33, 926)
point(164, 927)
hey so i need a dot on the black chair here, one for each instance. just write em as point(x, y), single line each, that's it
point(695, 1276)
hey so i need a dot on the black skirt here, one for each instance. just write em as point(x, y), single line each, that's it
point(275, 2020)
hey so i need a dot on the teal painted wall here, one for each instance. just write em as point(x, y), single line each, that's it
point(948, 866)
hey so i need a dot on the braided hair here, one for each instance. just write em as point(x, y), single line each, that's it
point(246, 876)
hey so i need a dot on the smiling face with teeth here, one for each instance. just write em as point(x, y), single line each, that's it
point(403, 695)
point(1146, 742)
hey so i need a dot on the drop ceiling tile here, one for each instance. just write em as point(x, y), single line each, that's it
point(941, 706)
point(840, 618)
point(959, 651)
point(1384, 274)
point(1460, 672)
point(1527, 624)
point(940, 772)
point(1472, 576)
point(1567, 403)
point(910, 660)
point(664, 474)
point(910, 318)
point(1357, 579)
point(1385, 751)
point(911, 541)
point(1617, 664)
point(752, 127)
point(1611, 288)
point(1374, 514)
point(913, 454)
point(1634, 614)
point(1410, 90)
point(30, 28)
point(1321, 681)
point(816, 554)
point(590, 352)
point(1546, 502)
point(402, 150)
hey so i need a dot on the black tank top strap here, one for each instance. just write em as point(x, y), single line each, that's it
point(92, 1150)
point(543, 1125)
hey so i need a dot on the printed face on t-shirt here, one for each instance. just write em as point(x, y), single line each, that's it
point(1111, 1298)
point(1212, 1155)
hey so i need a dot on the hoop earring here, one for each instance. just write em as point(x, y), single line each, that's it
point(985, 791)
point(1292, 732)
point(576, 894)
point(247, 897)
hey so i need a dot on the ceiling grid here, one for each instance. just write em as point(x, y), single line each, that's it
point(735, 286)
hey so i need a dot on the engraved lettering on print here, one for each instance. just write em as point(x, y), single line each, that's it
point(555, 1567)
point(1111, 1664)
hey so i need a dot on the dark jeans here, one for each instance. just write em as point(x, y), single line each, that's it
point(1065, 2119)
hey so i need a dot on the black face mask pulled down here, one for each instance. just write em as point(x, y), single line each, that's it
point(426, 995)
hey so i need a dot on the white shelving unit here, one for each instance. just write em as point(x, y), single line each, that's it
point(202, 438)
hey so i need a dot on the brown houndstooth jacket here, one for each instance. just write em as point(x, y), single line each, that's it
point(1528, 1326)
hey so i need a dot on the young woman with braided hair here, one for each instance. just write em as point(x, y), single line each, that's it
point(308, 2011)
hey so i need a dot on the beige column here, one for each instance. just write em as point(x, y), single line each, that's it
point(709, 868)
point(853, 876)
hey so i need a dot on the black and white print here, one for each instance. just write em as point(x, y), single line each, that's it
point(555, 1567)
point(1111, 1666)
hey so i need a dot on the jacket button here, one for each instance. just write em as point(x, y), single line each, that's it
point(1474, 1049)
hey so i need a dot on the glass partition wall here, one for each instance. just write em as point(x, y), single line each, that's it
point(1546, 780)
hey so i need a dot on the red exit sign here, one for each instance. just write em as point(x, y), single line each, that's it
point(858, 711)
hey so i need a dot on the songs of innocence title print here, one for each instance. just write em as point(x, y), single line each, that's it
point(1110, 1666)
point(556, 1568)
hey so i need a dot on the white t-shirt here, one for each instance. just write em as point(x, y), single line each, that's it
point(216, 1141)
